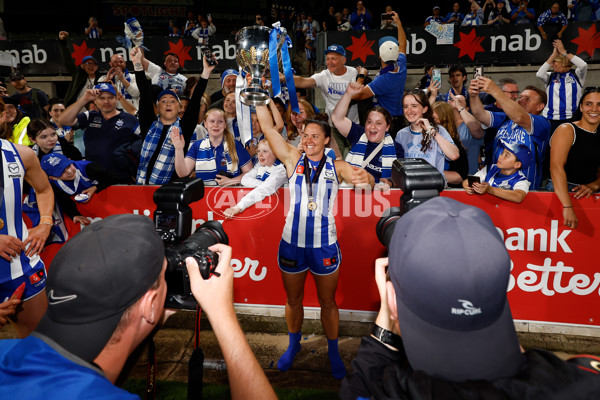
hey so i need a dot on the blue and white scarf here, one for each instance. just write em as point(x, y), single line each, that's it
point(57, 149)
point(124, 92)
point(264, 172)
point(165, 162)
point(206, 165)
point(356, 156)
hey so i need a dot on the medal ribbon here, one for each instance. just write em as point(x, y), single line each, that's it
point(315, 177)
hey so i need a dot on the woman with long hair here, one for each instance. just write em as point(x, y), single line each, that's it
point(456, 171)
point(218, 159)
point(424, 138)
point(575, 156)
point(295, 120)
point(309, 240)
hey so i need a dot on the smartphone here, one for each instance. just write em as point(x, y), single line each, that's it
point(472, 179)
point(208, 16)
point(386, 17)
point(18, 293)
point(436, 76)
point(477, 72)
point(225, 174)
point(210, 58)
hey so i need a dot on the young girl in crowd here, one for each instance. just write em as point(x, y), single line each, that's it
point(266, 177)
point(423, 138)
point(46, 140)
point(309, 239)
point(218, 159)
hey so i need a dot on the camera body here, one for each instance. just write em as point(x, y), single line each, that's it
point(419, 182)
point(173, 223)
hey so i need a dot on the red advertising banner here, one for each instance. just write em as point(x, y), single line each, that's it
point(555, 274)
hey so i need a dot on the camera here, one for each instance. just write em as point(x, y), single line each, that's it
point(173, 223)
point(419, 182)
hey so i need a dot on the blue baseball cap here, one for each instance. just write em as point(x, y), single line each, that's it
point(87, 58)
point(54, 164)
point(167, 92)
point(105, 87)
point(521, 151)
point(336, 48)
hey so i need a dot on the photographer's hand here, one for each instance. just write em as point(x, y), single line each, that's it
point(215, 295)
point(383, 318)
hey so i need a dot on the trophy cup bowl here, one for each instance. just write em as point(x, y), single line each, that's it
point(252, 51)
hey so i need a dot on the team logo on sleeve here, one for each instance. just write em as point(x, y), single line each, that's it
point(328, 174)
point(14, 170)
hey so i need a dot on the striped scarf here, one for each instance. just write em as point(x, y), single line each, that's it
point(264, 172)
point(121, 87)
point(206, 165)
point(357, 154)
point(165, 162)
point(57, 149)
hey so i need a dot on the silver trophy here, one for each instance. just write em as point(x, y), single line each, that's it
point(252, 43)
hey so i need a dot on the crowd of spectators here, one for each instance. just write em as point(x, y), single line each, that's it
point(153, 125)
point(497, 12)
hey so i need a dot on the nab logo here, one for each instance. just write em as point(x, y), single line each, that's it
point(468, 309)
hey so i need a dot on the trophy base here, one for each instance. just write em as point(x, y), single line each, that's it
point(255, 97)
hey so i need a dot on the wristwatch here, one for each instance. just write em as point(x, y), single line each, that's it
point(387, 337)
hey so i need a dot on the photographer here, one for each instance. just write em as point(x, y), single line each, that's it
point(458, 339)
point(106, 295)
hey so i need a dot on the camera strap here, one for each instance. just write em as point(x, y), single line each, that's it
point(151, 377)
point(196, 364)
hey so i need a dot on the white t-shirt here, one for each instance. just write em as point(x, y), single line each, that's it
point(333, 88)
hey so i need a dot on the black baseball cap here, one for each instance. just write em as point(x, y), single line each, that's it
point(95, 277)
point(450, 269)
point(15, 75)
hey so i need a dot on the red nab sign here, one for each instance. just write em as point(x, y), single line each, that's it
point(555, 272)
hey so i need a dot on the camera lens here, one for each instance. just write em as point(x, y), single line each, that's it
point(385, 225)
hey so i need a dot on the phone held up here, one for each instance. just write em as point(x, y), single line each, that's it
point(473, 178)
point(436, 76)
point(386, 17)
point(210, 58)
point(477, 72)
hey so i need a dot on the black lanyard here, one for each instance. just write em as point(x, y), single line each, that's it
point(307, 168)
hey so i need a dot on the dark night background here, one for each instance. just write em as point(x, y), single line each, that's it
point(46, 19)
